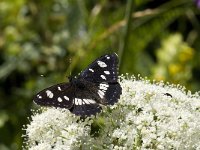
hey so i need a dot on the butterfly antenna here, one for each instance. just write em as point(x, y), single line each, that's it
point(69, 68)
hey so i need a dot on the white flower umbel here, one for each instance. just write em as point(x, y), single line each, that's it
point(147, 116)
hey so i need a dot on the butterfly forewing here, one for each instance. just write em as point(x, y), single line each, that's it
point(60, 95)
point(103, 69)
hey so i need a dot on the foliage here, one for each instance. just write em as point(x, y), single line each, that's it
point(56, 37)
point(174, 60)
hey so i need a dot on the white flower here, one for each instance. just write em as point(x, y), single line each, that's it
point(144, 118)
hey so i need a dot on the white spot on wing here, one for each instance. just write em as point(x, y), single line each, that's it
point(86, 101)
point(59, 88)
point(101, 93)
point(101, 64)
point(75, 101)
point(59, 99)
point(39, 96)
point(78, 101)
point(89, 101)
point(103, 86)
point(49, 94)
point(108, 57)
point(107, 72)
point(91, 70)
point(67, 98)
point(103, 77)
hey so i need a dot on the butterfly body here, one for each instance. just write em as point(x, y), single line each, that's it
point(96, 85)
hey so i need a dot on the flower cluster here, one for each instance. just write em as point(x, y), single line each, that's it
point(147, 116)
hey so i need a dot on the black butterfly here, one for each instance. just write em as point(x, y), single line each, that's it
point(97, 84)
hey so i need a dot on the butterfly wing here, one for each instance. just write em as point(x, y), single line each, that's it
point(108, 93)
point(86, 102)
point(104, 73)
point(85, 107)
point(103, 69)
point(90, 95)
point(60, 95)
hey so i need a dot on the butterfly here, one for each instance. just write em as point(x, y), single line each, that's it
point(83, 95)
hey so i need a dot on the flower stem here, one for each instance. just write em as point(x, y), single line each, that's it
point(125, 31)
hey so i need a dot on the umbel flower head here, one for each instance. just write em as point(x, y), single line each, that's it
point(147, 116)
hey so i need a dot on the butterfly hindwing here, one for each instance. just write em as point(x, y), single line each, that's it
point(86, 101)
point(85, 107)
point(60, 95)
point(102, 69)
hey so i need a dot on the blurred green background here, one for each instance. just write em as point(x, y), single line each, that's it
point(44, 41)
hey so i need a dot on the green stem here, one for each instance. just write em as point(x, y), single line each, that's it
point(125, 34)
